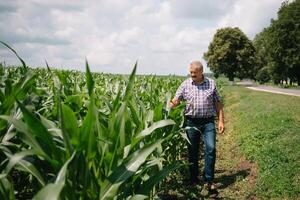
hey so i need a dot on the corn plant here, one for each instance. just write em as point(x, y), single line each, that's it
point(69, 135)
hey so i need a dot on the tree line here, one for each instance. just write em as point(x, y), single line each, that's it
point(273, 54)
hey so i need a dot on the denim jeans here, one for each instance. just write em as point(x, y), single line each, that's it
point(195, 128)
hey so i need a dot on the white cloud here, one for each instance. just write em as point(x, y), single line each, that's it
point(251, 16)
point(203, 10)
point(163, 35)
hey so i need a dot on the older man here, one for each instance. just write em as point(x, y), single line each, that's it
point(203, 104)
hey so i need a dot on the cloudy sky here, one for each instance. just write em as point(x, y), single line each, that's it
point(163, 35)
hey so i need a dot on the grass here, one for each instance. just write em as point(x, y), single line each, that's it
point(267, 128)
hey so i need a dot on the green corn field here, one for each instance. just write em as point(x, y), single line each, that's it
point(74, 135)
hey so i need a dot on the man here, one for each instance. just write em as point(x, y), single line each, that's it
point(203, 103)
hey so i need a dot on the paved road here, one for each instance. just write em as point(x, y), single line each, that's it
point(277, 90)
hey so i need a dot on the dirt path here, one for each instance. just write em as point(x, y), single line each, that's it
point(235, 176)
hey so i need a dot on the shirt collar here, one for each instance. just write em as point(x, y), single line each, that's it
point(204, 81)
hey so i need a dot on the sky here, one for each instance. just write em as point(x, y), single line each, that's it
point(164, 36)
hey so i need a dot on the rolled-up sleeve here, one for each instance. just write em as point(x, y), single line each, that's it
point(216, 95)
point(179, 92)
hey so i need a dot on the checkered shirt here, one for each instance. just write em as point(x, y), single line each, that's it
point(200, 98)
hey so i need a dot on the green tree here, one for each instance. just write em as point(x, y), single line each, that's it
point(262, 57)
point(231, 53)
point(263, 75)
point(286, 36)
point(266, 57)
point(278, 46)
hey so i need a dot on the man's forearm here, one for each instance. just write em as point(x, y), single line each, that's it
point(221, 115)
point(220, 111)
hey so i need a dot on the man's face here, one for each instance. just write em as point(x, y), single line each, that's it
point(195, 73)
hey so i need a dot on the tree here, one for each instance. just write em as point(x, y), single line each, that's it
point(231, 53)
point(263, 75)
point(278, 46)
point(286, 36)
point(266, 56)
point(262, 56)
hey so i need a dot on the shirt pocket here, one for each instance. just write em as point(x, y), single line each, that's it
point(207, 95)
point(189, 96)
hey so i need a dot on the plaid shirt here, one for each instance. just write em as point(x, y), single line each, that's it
point(200, 98)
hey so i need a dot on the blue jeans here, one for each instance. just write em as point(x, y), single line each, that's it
point(205, 128)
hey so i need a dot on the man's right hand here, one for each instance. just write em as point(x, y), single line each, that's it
point(174, 103)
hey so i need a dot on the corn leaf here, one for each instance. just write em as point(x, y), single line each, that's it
point(89, 78)
point(6, 188)
point(38, 130)
point(130, 83)
point(110, 187)
point(70, 124)
point(28, 138)
point(138, 197)
point(147, 186)
point(52, 190)
point(154, 126)
point(22, 61)
point(17, 159)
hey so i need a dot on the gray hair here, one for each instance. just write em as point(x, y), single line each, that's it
point(197, 64)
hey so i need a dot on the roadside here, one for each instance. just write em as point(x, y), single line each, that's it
point(266, 130)
point(286, 91)
point(292, 92)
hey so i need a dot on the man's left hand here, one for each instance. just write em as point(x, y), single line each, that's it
point(221, 127)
